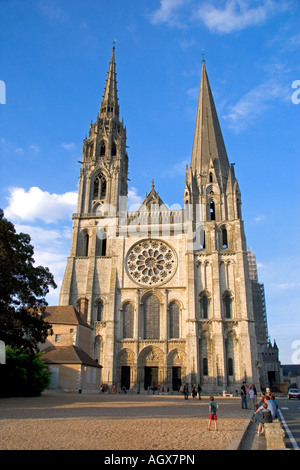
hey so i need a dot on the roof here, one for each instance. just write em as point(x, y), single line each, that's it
point(294, 369)
point(64, 314)
point(68, 355)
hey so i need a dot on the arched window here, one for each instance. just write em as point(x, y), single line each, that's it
point(151, 310)
point(113, 149)
point(91, 150)
point(224, 238)
point(204, 304)
point(99, 311)
point(228, 306)
point(205, 366)
point(202, 240)
point(86, 244)
point(99, 190)
point(83, 244)
point(211, 177)
point(102, 148)
point(128, 315)
point(174, 320)
point(212, 211)
point(101, 242)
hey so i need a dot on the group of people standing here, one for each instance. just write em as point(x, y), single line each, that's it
point(265, 411)
point(248, 395)
point(196, 390)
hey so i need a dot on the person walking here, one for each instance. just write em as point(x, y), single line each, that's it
point(186, 391)
point(244, 396)
point(252, 398)
point(212, 413)
point(199, 390)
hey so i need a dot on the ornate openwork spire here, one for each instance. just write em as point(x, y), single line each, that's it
point(109, 104)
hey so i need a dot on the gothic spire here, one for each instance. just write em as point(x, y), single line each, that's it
point(109, 104)
point(208, 140)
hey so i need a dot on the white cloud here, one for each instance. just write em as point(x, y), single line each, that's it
point(253, 103)
point(35, 148)
point(167, 12)
point(259, 218)
point(69, 147)
point(52, 12)
point(51, 249)
point(178, 169)
point(223, 17)
point(236, 15)
point(37, 204)
point(134, 199)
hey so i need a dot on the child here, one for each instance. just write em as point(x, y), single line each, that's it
point(212, 407)
point(266, 417)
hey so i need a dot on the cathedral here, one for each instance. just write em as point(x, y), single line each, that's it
point(167, 293)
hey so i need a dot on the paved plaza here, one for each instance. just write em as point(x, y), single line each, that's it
point(61, 421)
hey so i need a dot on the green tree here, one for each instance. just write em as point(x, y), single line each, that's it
point(23, 375)
point(23, 288)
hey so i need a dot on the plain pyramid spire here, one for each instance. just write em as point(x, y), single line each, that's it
point(208, 140)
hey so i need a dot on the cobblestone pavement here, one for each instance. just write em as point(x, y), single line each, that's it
point(118, 422)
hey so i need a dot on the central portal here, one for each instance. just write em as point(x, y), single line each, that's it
point(151, 377)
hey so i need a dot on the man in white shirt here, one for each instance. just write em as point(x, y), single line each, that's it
point(252, 398)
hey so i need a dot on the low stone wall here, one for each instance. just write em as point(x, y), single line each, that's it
point(275, 436)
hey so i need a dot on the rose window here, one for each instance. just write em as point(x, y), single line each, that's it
point(151, 262)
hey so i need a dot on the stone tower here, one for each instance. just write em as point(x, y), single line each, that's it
point(166, 292)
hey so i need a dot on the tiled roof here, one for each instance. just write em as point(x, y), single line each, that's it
point(64, 314)
point(67, 355)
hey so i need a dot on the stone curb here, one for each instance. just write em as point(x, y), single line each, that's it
point(236, 442)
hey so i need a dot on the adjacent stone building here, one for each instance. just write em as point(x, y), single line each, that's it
point(67, 351)
point(167, 293)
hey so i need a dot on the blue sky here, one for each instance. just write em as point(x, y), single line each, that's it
point(54, 60)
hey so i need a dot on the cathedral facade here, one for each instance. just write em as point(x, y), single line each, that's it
point(167, 293)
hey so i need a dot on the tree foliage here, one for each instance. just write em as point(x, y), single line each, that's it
point(23, 375)
point(23, 288)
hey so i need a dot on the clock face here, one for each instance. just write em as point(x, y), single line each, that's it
point(151, 262)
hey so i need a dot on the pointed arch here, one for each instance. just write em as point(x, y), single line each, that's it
point(99, 310)
point(102, 148)
point(205, 299)
point(227, 304)
point(100, 186)
point(113, 149)
point(224, 237)
point(151, 317)
point(127, 320)
point(212, 210)
point(83, 243)
point(174, 319)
